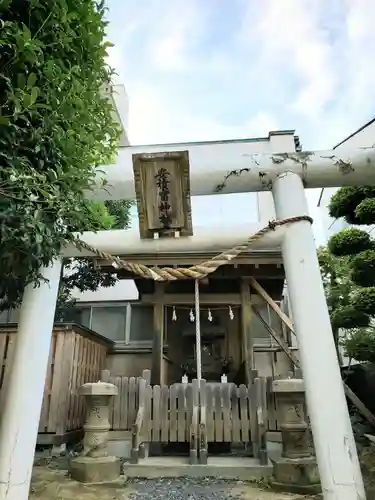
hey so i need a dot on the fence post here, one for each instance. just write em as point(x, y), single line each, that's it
point(144, 448)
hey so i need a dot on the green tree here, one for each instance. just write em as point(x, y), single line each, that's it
point(357, 338)
point(359, 344)
point(337, 287)
point(56, 128)
point(357, 248)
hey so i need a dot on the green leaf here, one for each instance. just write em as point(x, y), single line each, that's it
point(26, 100)
point(34, 94)
point(31, 80)
point(42, 106)
point(26, 32)
point(21, 80)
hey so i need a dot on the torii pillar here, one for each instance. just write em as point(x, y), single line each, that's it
point(24, 397)
point(335, 447)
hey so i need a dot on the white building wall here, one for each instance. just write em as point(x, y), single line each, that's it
point(121, 105)
point(123, 290)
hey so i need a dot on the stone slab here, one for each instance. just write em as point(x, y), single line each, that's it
point(242, 469)
point(95, 470)
point(309, 489)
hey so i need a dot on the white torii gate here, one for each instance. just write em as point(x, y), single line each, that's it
point(285, 175)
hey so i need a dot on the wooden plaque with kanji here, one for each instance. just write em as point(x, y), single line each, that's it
point(162, 185)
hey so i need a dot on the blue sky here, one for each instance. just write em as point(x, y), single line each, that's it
point(224, 69)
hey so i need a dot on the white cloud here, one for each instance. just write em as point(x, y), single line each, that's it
point(168, 52)
point(175, 31)
point(115, 57)
point(152, 120)
point(360, 43)
point(304, 64)
point(291, 38)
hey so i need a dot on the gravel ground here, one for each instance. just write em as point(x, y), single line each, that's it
point(52, 484)
point(201, 489)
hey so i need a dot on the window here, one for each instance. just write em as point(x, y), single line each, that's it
point(83, 317)
point(109, 322)
point(142, 323)
point(112, 321)
point(14, 315)
point(9, 316)
point(260, 333)
point(4, 317)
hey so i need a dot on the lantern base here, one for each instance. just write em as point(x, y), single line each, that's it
point(297, 475)
point(95, 470)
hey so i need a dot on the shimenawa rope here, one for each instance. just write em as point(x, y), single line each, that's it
point(198, 271)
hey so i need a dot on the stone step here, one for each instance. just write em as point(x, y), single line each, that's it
point(242, 469)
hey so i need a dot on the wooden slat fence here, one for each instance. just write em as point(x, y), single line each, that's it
point(198, 413)
point(124, 407)
point(234, 414)
point(166, 414)
point(76, 356)
point(229, 409)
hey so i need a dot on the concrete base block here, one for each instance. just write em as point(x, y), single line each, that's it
point(120, 448)
point(120, 444)
point(95, 470)
point(299, 475)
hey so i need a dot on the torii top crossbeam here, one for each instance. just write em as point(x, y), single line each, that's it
point(233, 167)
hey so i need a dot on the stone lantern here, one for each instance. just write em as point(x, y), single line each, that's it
point(94, 465)
point(297, 468)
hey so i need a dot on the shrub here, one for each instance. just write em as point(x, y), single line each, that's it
point(350, 242)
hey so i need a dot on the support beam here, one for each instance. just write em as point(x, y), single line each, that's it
point(158, 338)
point(247, 341)
point(273, 305)
point(214, 239)
point(333, 436)
point(278, 338)
point(23, 399)
point(211, 165)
